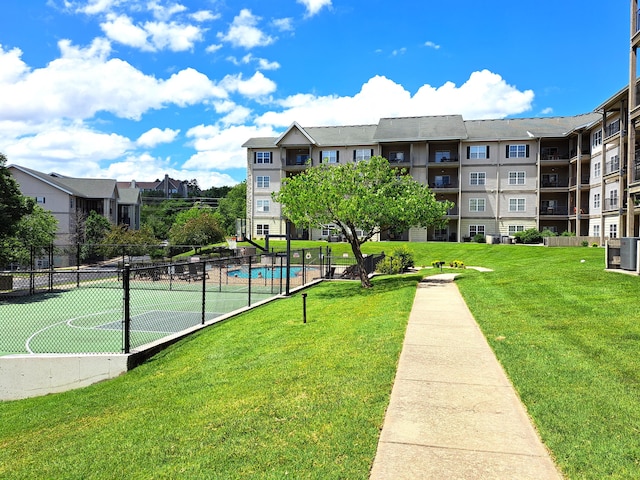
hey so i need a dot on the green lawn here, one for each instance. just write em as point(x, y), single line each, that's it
point(265, 396)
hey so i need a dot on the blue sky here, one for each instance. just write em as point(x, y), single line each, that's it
point(134, 89)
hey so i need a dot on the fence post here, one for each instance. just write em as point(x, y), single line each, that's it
point(127, 309)
point(204, 289)
point(249, 293)
point(78, 265)
point(304, 271)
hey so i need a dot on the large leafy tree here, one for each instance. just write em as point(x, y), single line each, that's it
point(232, 207)
point(13, 205)
point(370, 196)
point(35, 232)
point(196, 227)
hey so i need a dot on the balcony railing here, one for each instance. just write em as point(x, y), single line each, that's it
point(433, 184)
point(612, 128)
point(636, 170)
point(556, 156)
point(554, 210)
point(612, 167)
point(583, 151)
point(573, 180)
point(560, 183)
point(444, 160)
point(611, 204)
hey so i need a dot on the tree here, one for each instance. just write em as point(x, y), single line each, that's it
point(95, 230)
point(136, 242)
point(197, 227)
point(13, 205)
point(233, 206)
point(34, 232)
point(370, 196)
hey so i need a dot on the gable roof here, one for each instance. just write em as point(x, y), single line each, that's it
point(79, 187)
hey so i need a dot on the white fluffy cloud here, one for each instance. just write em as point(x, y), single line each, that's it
point(220, 148)
point(314, 6)
point(257, 86)
point(85, 81)
point(151, 36)
point(483, 95)
point(155, 136)
point(243, 31)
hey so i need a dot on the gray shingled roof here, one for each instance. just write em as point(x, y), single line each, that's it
point(407, 129)
point(524, 128)
point(80, 187)
point(260, 142)
point(128, 196)
point(342, 135)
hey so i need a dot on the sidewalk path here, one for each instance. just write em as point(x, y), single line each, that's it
point(453, 413)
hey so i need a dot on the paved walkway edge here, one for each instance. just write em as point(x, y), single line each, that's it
point(453, 413)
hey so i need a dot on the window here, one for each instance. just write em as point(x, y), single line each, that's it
point(263, 205)
point(596, 230)
point(477, 204)
point(360, 154)
point(262, 157)
point(40, 200)
point(478, 151)
point(517, 151)
point(515, 228)
point(262, 229)
point(596, 138)
point(263, 181)
point(516, 178)
point(596, 200)
point(476, 229)
point(612, 128)
point(597, 169)
point(478, 178)
point(396, 156)
point(517, 204)
point(443, 156)
point(329, 156)
point(613, 231)
point(442, 181)
point(549, 153)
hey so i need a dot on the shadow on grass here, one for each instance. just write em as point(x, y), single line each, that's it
point(381, 285)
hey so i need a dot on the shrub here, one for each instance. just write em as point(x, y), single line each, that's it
point(390, 265)
point(457, 264)
point(585, 243)
point(567, 233)
point(529, 236)
point(549, 233)
point(595, 245)
point(405, 255)
point(479, 238)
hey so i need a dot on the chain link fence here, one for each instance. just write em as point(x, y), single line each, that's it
point(124, 302)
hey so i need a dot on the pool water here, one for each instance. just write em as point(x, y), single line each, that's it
point(264, 272)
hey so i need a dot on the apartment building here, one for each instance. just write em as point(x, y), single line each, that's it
point(578, 174)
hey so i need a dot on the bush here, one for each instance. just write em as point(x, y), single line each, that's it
point(390, 265)
point(549, 233)
point(567, 233)
point(479, 238)
point(529, 236)
point(585, 243)
point(399, 261)
point(457, 264)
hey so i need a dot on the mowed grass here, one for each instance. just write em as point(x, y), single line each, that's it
point(261, 396)
point(265, 396)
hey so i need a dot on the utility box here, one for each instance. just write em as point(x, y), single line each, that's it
point(629, 253)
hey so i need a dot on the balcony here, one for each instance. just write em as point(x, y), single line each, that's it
point(610, 204)
point(550, 210)
point(583, 182)
point(297, 161)
point(554, 183)
point(442, 184)
point(612, 167)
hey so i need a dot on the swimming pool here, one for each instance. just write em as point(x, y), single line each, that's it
point(264, 272)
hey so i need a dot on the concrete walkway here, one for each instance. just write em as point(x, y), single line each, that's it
point(453, 413)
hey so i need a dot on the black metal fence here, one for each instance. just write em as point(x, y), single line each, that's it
point(109, 309)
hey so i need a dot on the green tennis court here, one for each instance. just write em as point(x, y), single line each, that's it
point(91, 320)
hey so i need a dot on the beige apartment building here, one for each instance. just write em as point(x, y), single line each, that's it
point(578, 174)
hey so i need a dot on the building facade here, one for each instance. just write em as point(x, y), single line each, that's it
point(70, 199)
point(578, 174)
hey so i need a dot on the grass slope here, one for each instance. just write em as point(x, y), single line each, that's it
point(262, 396)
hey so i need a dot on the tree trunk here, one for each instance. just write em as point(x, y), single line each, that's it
point(357, 253)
